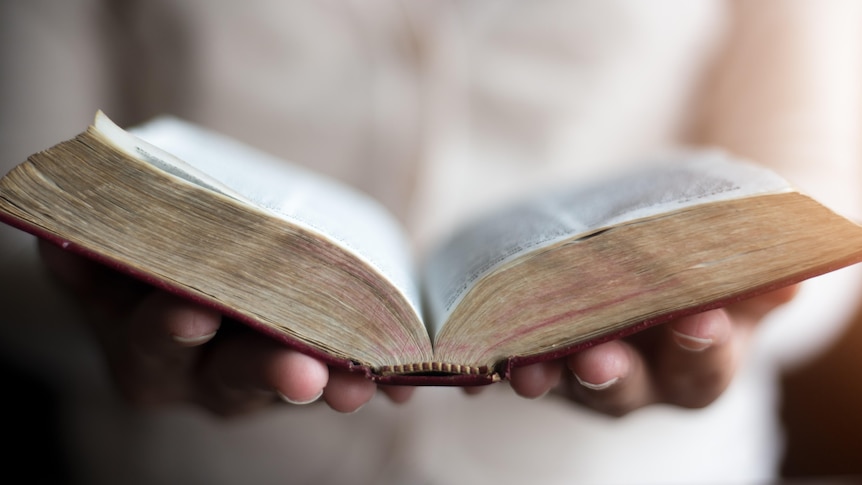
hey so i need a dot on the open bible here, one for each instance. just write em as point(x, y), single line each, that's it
point(328, 271)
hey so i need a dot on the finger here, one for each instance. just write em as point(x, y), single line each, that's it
point(398, 394)
point(754, 309)
point(109, 292)
point(166, 324)
point(347, 392)
point(72, 270)
point(153, 351)
point(697, 359)
point(611, 378)
point(244, 370)
point(473, 390)
point(535, 380)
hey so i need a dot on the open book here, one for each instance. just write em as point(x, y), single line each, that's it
point(329, 271)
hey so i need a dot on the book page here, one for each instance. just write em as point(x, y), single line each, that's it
point(500, 237)
point(339, 213)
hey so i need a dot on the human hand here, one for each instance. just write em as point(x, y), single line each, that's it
point(688, 362)
point(162, 350)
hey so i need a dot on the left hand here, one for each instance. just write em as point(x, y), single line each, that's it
point(688, 362)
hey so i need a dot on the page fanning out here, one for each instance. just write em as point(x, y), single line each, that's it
point(348, 218)
point(696, 178)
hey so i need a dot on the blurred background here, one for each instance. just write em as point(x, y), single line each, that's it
point(414, 102)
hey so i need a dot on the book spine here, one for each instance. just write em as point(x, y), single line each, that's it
point(442, 367)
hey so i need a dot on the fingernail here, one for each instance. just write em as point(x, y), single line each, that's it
point(197, 340)
point(694, 344)
point(356, 410)
point(299, 403)
point(597, 387)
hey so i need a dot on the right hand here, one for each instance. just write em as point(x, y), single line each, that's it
point(164, 350)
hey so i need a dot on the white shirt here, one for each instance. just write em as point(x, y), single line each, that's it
point(438, 109)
